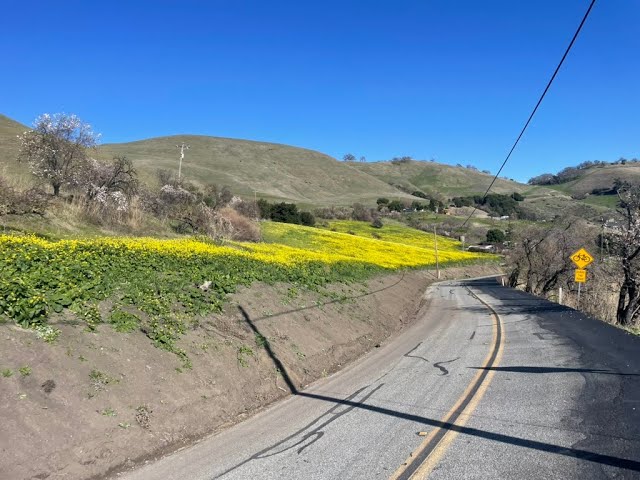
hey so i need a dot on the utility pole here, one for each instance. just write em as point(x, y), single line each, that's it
point(435, 241)
point(183, 146)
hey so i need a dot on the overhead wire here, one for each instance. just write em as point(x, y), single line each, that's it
point(584, 19)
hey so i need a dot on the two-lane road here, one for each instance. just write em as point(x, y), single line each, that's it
point(488, 383)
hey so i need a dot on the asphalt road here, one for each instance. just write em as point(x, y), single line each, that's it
point(488, 383)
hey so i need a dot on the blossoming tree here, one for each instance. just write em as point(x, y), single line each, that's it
point(56, 148)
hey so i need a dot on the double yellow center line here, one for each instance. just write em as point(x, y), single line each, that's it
point(424, 458)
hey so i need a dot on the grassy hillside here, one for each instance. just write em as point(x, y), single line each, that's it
point(309, 178)
point(273, 171)
point(600, 177)
point(448, 181)
point(434, 178)
point(9, 146)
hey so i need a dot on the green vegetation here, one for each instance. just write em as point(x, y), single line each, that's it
point(46, 333)
point(243, 353)
point(100, 380)
point(285, 213)
point(495, 235)
point(124, 322)
point(25, 371)
point(7, 372)
point(161, 287)
point(261, 341)
point(436, 180)
point(494, 203)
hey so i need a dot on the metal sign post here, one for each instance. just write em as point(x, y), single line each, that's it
point(581, 258)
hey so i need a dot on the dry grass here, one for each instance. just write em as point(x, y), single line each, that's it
point(272, 171)
point(231, 225)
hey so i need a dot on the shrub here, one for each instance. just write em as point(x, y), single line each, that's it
point(362, 213)
point(14, 202)
point(285, 213)
point(307, 218)
point(231, 224)
point(495, 236)
point(400, 160)
point(377, 223)
point(395, 206)
point(334, 213)
point(417, 206)
point(265, 208)
point(249, 209)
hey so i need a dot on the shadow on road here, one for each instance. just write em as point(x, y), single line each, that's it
point(556, 370)
point(475, 432)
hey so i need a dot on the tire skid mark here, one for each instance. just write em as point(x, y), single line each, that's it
point(309, 434)
point(415, 356)
point(443, 369)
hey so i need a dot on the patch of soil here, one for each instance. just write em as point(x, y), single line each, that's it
point(94, 403)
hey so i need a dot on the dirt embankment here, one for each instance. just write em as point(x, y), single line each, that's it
point(91, 404)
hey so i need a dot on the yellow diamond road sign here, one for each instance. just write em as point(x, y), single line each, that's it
point(581, 258)
point(580, 276)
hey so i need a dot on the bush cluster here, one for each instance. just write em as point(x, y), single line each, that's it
point(493, 203)
point(21, 202)
point(285, 213)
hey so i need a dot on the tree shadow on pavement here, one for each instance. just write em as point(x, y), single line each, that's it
point(556, 370)
point(475, 432)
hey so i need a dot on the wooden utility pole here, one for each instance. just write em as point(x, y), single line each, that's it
point(183, 146)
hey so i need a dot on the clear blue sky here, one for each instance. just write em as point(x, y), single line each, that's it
point(454, 80)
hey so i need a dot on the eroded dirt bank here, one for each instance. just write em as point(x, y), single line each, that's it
point(92, 404)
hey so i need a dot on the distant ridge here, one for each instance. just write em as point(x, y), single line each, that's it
point(284, 173)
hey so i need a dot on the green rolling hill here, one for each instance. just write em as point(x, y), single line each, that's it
point(272, 171)
point(599, 177)
point(9, 147)
point(436, 178)
point(310, 178)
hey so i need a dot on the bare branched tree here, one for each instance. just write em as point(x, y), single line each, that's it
point(540, 260)
point(629, 253)
point(56, 148)
point(110, 184)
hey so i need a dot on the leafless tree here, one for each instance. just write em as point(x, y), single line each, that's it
point(116, 176)
point(628, 249)
point(56, 148)
point(540, 260)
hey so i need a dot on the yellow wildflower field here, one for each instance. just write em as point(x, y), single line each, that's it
point(398, 247)
point(160, 279)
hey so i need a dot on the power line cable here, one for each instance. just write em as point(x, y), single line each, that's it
point(584, 19)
